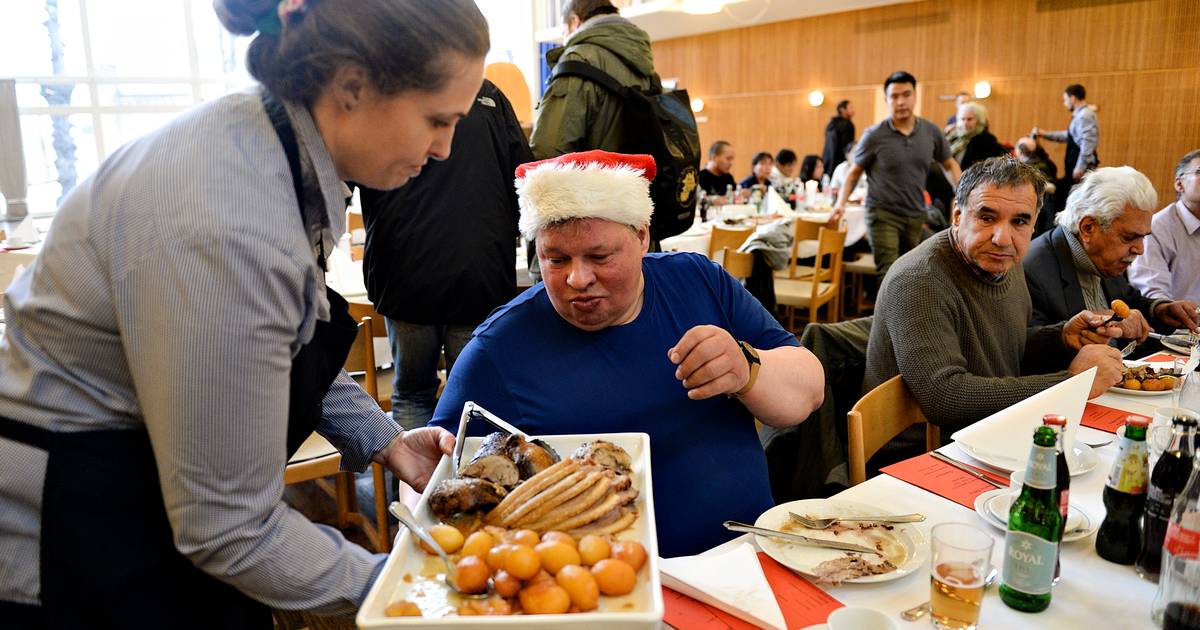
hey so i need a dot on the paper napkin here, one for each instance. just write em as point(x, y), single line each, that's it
point(732, 582)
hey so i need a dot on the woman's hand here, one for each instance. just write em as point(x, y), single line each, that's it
point(414, 454)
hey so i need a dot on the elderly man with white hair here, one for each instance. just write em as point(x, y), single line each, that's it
point(618, 340)
point(1081, 263)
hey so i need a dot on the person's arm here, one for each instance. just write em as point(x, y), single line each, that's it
point(942, 154)
point(1179, 314)
point(1087, 133)
point(209, 325)
point(855, 171)
point(953, 170)
point(1053, 136)
point(1150, 273)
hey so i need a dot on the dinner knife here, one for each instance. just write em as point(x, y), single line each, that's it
point(967, 469)
point(735, 526)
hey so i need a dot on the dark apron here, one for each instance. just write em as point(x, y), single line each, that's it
point(108, 559)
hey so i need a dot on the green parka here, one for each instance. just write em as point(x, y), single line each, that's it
point(578, 115)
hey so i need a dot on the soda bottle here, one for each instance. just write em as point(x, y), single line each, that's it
point(1168, 479)
point(1120, 537)
point(1034, 525)
point(1062, 482)
point(1176, 602)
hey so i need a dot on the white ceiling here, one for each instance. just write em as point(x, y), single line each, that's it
point(663, 19)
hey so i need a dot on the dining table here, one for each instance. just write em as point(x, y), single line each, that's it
point(1092, 594)
point(696, 238)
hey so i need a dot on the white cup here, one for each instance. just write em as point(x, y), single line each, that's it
point(1158, 435)
point(1016, 480)
point(858, 618)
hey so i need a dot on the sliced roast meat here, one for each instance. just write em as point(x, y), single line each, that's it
point(497, 469)
point(464, 495)
point(530, 458)
point(603, 453)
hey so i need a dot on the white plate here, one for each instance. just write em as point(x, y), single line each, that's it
point(803, 558)
point(1176, 347)
point(999, 505)
point(1084, 461)
point(1087, 524)
point(645, 604)
point(1136, 392)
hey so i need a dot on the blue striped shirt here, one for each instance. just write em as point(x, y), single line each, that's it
point(172, 292)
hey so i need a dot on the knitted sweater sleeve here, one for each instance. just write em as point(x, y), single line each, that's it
point(933, 355)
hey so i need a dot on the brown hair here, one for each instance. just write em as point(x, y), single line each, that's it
point(401, 44)
point(587, 9)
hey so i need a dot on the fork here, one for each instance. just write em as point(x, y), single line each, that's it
point(1128, 349)
point(811, 522)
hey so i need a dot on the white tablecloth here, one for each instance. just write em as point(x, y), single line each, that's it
point(1094, 594)
point(697, 237)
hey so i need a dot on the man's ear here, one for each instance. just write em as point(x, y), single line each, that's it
point(349, 86)
point(1087, 229)
point(643, 235)
point(955, 213)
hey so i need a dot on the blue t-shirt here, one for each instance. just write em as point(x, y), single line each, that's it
point(531, 367)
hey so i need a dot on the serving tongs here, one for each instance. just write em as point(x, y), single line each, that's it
point(472, 411)
point(735, 526)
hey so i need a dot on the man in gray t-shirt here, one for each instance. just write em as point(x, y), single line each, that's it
point(896, 154)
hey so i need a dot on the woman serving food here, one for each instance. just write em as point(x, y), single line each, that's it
point(174, 341)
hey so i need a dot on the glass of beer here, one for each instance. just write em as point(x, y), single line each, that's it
point(960, 559)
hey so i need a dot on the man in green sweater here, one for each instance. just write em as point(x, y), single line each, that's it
point(953, 314)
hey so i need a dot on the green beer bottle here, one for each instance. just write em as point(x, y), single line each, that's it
point(1034, 528)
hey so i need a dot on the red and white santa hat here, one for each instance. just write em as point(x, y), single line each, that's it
point(590, 184)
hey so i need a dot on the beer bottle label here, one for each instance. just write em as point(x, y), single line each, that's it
point(1064, 503)
point(1182, 542)
point(1028, 563)
point(1128, 473)
point(1039, 472)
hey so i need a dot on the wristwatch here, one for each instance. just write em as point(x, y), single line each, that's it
point(754, 362)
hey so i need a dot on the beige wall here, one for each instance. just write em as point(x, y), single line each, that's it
point(1138, 59)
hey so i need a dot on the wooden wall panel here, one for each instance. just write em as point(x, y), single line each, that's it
point(1139, 59)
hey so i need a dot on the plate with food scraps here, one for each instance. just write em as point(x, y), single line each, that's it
point(1080, 524)
point(412, 580)
point(1141, 379)
point(903, 548)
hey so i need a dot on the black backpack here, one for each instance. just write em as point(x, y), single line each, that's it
point(660, 124)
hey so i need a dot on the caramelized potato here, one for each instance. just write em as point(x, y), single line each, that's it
point(562, 537)
point(471, 574)
point(522, 562)
point(402, 608)
point(506, 585)
point(631, 552)
point(498, 555)
point(1168, 382)
point(1132, 383)
point(593, 549)
point(580, 585)
point(478, 545)
point(614, 577)
point(447, 537)
point(526, 537)
point(556, 555)
point(544, 598)
point(1152, 385)
point(1120, 308)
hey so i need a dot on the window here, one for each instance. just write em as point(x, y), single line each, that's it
point(94, 74)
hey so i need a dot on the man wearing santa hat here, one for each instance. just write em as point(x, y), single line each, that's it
point(618, 340)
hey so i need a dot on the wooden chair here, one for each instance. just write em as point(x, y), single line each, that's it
point(822, 287)
point(880, 415)
point(723, 238)
point(354, 221)
point(855, 271)
point(317, 459)
point(801, 231)
point(381, 389)
point(738, 264)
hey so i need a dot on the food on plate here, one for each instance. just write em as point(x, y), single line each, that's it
point(558, 536)
point(478, 544)
point(1147, 378)
point(464, 495)
point(631, 552)
point(850, 565)
point(544, 598)
point(402, 608)
point(526, 537)
point(593, 549)
point(497, 469)
point(527, 458)
point(522, 562)
point(1120, 308)
point(580, 585)
point(506, 585)
point(447, 537)
point(604, 454)
point(555, 555)
point(471, 574)
point(614, 577)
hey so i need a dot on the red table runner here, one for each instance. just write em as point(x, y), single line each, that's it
point(944, 480)
point(1105, 418)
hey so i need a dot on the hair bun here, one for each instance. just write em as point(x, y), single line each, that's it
point(240, 17)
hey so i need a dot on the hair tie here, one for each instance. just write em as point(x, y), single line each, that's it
point(272, 22)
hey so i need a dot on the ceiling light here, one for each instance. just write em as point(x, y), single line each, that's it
point(697, 105)
point(983, 89)
point(701, 7)
point(816, 97)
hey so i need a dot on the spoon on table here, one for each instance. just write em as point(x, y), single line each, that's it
point(916, 612)
point(402, 514)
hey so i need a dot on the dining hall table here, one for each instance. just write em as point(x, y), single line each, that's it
point(1093, 593)
point(696, 238)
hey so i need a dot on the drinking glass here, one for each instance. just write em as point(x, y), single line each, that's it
point(961, 557)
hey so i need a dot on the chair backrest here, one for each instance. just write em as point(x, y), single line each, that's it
point(362, 357)
point(359, 310)
point(801, 231)
point(354, 221)
point(727, 237)
point(830, 245)
point(738, 264)
point(880, 415)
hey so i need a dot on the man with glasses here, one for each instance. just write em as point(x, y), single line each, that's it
point(1170, 266)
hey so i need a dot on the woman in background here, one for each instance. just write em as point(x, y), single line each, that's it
point(174, 341)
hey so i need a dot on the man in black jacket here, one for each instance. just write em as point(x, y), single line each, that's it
point(440, 251)
point(1081, 263)
point(838, 133)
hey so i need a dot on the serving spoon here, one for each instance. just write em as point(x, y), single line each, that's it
point(402, 514)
